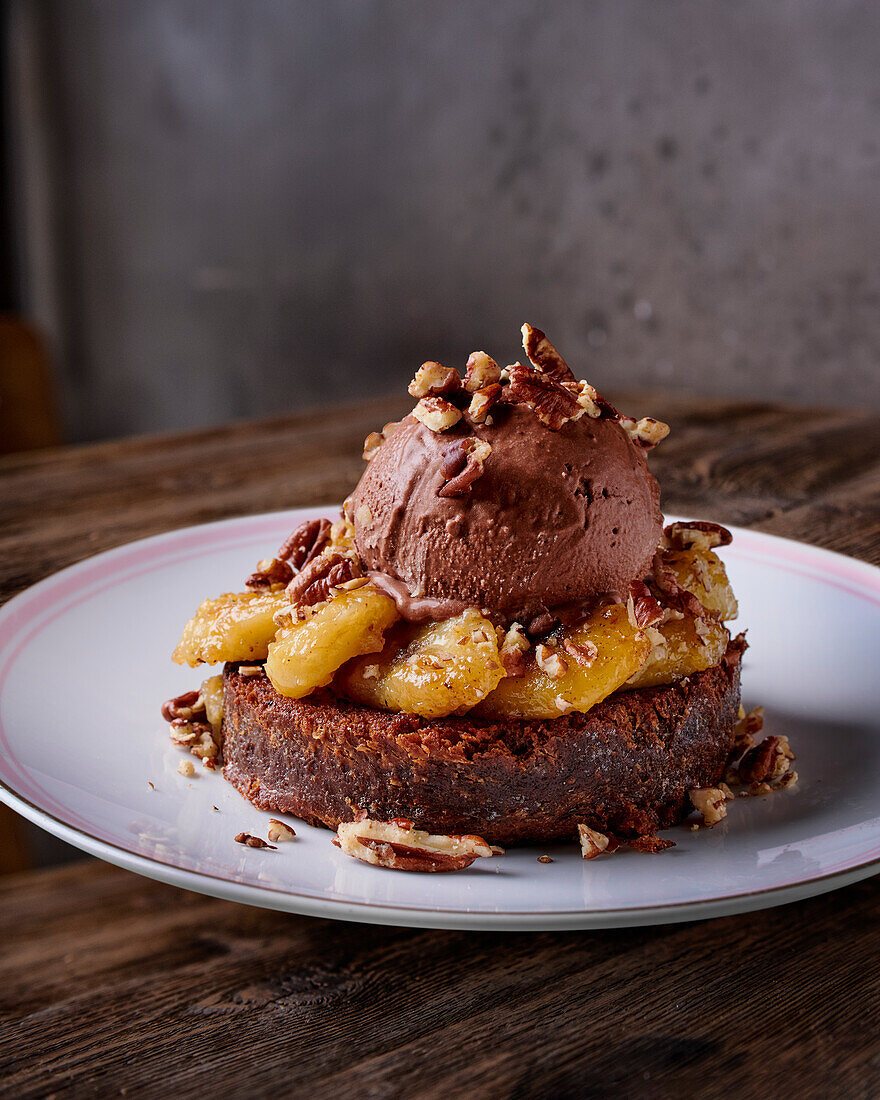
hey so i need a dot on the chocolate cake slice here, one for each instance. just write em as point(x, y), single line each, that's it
point(624, 768)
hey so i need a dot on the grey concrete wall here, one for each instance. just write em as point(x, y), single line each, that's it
point(260, 205)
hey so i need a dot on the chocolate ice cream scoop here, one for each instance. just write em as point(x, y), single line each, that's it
point(555, 518)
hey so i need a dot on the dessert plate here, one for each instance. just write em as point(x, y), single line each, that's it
point(84, 666)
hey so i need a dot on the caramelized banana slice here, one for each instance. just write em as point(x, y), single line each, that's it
point(703, 573)
point(237, 626)
point(681, 647)
point(588, 664)
point(307, 652)
point(433, 670)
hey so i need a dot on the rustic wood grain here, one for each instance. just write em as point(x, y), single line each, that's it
point(110, 984)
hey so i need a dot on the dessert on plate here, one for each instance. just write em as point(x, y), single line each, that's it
point(497, 642)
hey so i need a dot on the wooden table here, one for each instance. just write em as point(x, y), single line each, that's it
point(113, 985)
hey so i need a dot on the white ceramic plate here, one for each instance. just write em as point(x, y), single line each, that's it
point(84, 665)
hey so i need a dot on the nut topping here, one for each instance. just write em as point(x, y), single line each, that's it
point(550, 662)
point(594, 843)
point(401, 847)
point(186, 767)
point(279, 830)
point(642, 608)
point(436, 413)
point(483, 402)
point(711, 802)
point(696, 535)
point(312, 584)
point(584, 653)
point(544, 356)
point(766, 761)
point(646, 432)
point(305, 543)
point(270, 571)
point(513, 651)
point(253, 841)
point(462, 463)
point(481, 371)
point(552, 403)
point(435, 380)
point(185, 706)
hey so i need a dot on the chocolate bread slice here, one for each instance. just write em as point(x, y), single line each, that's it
point(623, 768)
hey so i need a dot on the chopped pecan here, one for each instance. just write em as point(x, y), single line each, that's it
point(189, 705)
point(305, 543)
point(696, 535)
point(646, 432)
point(593, 403)
point(652, 844)
point(435, 380)
point(642, 608)
point(398, 845)
point(584, 653)
point(711, 802)
point(768, 760)
point(280, 830)
point(674, 594)
point(545, 859)
point(312, 584)
point(253, 841)
point(594, 843)
point(436, 413)
point(544, 355)
point(462, 463)
point(198, 737)
point(550, 661)
point(270, 571)
point(551, 402)
point(482, 403)
point(187, 768)
point(481, 371)
point(513, 651)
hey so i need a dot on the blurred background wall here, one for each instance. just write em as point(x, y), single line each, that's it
point(225, 208)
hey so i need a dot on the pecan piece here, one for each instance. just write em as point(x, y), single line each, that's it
point(483, 402)
point(550, 661)
point(270, 571)
point(711, 803)
point(312, 584)
point(279, 830)
point(253, 841)
point(696, 535)
point(642, 608)
point(461, 465)
point(513, 651)
point(481, 371)
point(552, 403)
point(583, 653)
point(592, 402)
point(768, 760)
point(674, 594)
point(305, 543)
point(435, 380)
point(646, 432)
point(436, 413)
point(401, 847)
point(593, 843)
point(544, 355)
point(184, 707)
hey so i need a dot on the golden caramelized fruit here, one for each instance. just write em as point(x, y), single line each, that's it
point(307, 652)
point(435, 670)
point(237, 626)
point(688, 646)
point(703, 573)
point(620, 650)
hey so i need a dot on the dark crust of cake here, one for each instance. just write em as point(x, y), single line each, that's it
point(624, 768)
